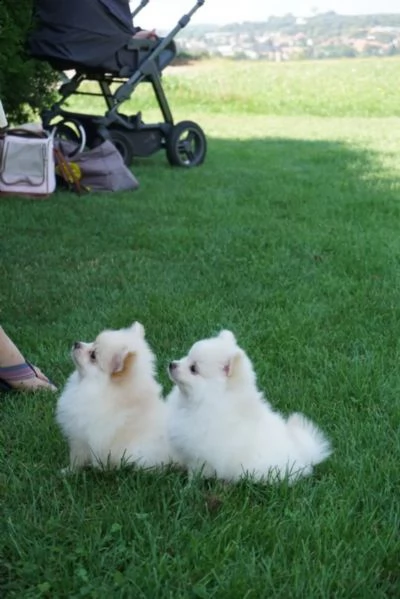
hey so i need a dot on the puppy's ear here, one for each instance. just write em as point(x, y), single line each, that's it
point(121, 363)
point(138, 329)
point(227, 336)
point(232, 366)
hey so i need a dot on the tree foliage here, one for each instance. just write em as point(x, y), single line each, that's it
point(26, 84)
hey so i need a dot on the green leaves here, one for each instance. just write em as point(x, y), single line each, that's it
point(26, 85)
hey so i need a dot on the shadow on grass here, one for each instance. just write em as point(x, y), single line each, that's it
point(194, 250)
point(185, 232)
point(292, 244)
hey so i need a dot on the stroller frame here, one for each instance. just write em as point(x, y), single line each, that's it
point(185, 142)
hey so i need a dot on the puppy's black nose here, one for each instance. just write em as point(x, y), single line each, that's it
point(172, 365)
point(77, 345)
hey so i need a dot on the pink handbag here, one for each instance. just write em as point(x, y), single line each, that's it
point(27, 163)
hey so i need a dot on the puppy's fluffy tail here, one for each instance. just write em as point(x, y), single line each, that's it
point(312, 443)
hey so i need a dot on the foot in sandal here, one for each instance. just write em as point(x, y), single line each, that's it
point(16, 373)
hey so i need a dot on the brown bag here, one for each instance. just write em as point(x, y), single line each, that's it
point(100, 169)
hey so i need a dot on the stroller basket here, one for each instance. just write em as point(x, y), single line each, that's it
point(96, 39)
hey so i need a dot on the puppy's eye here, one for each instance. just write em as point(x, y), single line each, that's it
point(193, 369)
point(92, 355)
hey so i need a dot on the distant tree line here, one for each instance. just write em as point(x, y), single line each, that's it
point(329, 24)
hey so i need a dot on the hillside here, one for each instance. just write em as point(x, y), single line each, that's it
point(327, 35)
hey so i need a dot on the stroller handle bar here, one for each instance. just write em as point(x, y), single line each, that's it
point(183, 21)
point(185, 18)
point(139, 8)
point(124, 91)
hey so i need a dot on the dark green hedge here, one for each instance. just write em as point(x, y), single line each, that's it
point(25, 84)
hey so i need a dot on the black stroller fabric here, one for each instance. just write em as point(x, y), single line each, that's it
point(91, 34)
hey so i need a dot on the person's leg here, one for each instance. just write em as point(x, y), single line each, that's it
point(15, 372)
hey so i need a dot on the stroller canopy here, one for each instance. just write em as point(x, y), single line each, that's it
point(82, 33)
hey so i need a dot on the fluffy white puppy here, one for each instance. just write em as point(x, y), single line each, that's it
point(111, 409)
point(219, 423)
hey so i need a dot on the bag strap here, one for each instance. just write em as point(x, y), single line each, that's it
point(21, 132)
point(68, 173)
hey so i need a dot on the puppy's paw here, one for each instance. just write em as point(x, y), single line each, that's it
point(67, 471)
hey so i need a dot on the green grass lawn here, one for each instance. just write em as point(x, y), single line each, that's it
point(288, 235)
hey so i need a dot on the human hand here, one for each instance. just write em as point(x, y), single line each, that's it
point(147, 35)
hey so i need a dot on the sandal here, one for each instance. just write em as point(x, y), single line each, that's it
point(16, 378)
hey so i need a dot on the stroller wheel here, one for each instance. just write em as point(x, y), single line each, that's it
point(186, 144)
point(71, 130)
point(123, 144)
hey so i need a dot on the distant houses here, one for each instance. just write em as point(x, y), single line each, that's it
point(293, 38)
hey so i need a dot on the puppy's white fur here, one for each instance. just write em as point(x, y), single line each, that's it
point(219, 424)
point(111, 410)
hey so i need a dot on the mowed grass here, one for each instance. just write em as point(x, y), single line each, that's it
point(362, 87)
point(288, 235)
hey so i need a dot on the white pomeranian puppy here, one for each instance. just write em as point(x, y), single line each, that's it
point(111, 409)
point(219, 423)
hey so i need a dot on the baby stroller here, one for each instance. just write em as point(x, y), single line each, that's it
point(95, 39)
